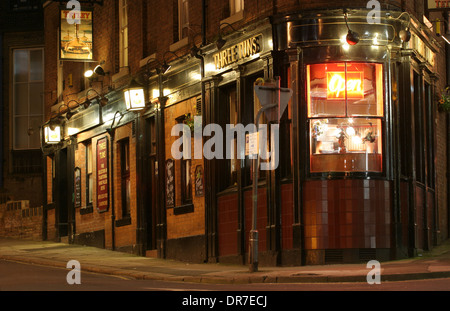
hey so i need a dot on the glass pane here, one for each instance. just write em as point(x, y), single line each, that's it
point(90, 189)
point(34, 135)
point(21, 99)
point(346, 145)
point(36, 65)
point(20, 66)
point(371, 103)
point(35, 96)
point(128, 196)
point(21, 133)
point(326, 90)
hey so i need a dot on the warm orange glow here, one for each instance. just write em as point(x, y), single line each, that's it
point(337, 85)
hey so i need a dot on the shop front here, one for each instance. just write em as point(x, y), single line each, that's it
point(358, 193)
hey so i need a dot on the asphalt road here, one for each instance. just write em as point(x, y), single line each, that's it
point(20, 277)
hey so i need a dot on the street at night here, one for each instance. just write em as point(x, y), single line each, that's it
point(273, 148)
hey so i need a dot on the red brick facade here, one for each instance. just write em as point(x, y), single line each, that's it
point(294, 213)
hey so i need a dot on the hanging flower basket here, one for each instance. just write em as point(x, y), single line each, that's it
point(444, 101)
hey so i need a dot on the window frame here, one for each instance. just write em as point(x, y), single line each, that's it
point(89, 174)
point(28, 115)
point(123, 34)
point(125, 177)
point(183, 19)
point(309, 120)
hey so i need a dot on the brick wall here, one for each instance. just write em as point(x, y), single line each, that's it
point(20, 223)
point(191, 223)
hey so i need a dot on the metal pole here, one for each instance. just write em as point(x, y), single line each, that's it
point(253, 239)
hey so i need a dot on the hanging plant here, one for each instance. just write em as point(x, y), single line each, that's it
point(444, 102)
point(189, 121)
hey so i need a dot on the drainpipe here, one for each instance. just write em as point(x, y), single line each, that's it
point(113, 213)
point(1, 112)
point(202, 73)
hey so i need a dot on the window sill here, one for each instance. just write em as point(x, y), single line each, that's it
point(123, 222)
point(86, 210)
point(123, 72)
point(183, 209)
point(233, 18)
point(179, 44)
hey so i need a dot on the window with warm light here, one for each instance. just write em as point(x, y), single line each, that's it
point(345, 111)
point(183, 19)
point(123, 25)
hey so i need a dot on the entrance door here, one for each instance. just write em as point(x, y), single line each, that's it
point(62, 199)
point(151, 195)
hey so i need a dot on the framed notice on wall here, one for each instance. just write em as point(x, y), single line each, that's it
point(170, 183)
point(77, 186)
point(102, 175)
point(76, 34)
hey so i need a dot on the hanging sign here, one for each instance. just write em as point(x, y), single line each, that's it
point(438, 5)
point(102, 175)
point(76, 38)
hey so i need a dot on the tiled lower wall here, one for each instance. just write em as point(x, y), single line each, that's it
point(345, 214)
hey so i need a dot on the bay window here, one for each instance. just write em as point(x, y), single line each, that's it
point(345, 114)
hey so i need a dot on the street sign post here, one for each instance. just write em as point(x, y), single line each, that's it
point(274, 101)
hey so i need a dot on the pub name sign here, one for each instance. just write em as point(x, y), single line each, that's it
point(438, 5)
point(237, 52)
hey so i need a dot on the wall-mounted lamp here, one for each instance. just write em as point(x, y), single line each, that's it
point(97, 71)
point(69, 113)
point(101, 99)
point(221, 41)
point(53, 131)
point(352, 36)
point(166, 67)
point(404, 34)
point(134, 96)
point(195, 51)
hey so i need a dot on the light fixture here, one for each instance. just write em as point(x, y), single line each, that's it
point(221, 41)
point(69, 113)
point(98, 70)
point(352, 36)
point(100, 99)
point(52, 131)
point(195, 51)
point(404, 34)
point(166, 67)
point(134, 96)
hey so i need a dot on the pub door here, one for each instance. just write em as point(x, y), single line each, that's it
point(151, 193)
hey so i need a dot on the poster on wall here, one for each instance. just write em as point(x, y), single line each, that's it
point(102, 175)
point(76, 35)
point(77, 190)
point(170, 183)
point(199, 181)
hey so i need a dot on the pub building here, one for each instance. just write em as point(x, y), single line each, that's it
point(356, 179)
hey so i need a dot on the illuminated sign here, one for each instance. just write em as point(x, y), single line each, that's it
point(339, 87)
point(76, 38)
point(237, 52)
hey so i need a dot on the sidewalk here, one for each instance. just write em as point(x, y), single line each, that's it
point(433, 264)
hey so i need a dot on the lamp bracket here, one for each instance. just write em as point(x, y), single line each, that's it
point(91, 2)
